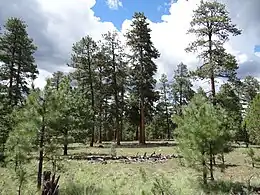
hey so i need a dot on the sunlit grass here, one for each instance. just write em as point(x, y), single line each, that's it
point(83, 177)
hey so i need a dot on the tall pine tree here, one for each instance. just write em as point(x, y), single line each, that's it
point(18, 63)
point(181, 88)
point(143, 67)
point(212, 26)
point(83, 60)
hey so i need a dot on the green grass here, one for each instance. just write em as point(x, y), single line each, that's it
point(82, 177)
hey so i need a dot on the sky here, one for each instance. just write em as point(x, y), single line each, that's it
point(55, 25)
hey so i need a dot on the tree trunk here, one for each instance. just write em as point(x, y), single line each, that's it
point(204, 167)
point(65, 145)
point(118, 133)
point(39, 178)
point(10, 88)
point(181, 94)
point(168, 124)
point(142, 125)
point(211, 162)
point(92, 102)
point(137, 133)
point(17, 85)
point(100, 133)
point(65, 149)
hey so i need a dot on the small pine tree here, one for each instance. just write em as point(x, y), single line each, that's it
point(201, 133)
point(19, 146)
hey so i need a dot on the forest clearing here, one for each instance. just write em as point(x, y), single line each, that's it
point(90, 130)
point(168, 177)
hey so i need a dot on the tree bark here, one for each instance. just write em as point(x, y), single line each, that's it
point(142, 108)
point(41, 145)
point(65, 149)
point(137, 133)
point(92, 102)
point(204, 167)
point(211, 162)
point(142, 125)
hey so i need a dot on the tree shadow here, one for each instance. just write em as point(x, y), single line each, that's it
point(79, 189)
point(226, 165)
point(137, 145)
point(85, 155)
point(229, 187)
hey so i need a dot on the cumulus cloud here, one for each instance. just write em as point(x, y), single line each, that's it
point(56, 25)
point(114, 4)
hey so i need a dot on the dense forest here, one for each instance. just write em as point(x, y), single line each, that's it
point(112, 96)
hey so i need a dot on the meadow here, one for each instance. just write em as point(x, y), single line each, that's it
point(165, 177)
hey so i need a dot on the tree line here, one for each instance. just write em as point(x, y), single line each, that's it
point(112, 94)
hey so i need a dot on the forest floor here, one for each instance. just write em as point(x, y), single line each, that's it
point(137, 177)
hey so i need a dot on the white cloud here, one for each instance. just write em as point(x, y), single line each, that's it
point(257, 54)
point(41, 80)
point(70, 20)
point(114, 4)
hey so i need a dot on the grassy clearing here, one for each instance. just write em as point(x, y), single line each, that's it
point(136, 178)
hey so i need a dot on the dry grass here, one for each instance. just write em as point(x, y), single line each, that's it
point(139, 178)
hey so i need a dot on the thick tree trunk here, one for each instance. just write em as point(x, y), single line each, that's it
point(65, 149)
point(142, 125)
point(41, 145)
point(137, 133)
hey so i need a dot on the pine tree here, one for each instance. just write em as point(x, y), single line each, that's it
point(18, 66)
point(250, 88)
point(181, 87)
point(62, 125)
point(113, 48)
point(212, 27)
point(19, 146)
point(201, 131)
point(57, 79)
point(143, 67)
point(102, 89)
point(41, 106)
point(252, 120)
point(83, 60)
point(165, 92)
point(229, 100)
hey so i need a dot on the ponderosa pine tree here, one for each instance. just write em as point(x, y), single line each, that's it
point(83, 60)
point(18, 63)
point(181, 88)
point(57, 79)
point(212, 26)
point(143, 67)
point(42, 105)
point(113, 48)
point(229, 100)
point(252, 120)
point(102, 89)
point(165, 92)
point(19, 146)
point(250, 88)
point(62, 125)
point(201, 130)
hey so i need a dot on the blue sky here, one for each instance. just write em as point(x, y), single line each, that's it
point(153, 9)
point(257, 49)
